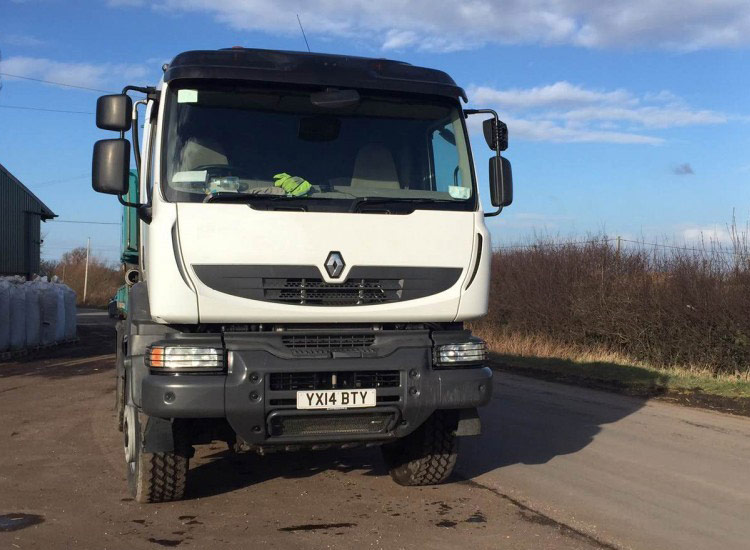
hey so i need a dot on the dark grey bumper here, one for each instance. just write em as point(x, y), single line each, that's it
point(254, 409)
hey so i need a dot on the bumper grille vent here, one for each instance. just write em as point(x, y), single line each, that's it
point(330, 424)
point(297, 381)
point(354, 292)
point(328, 341)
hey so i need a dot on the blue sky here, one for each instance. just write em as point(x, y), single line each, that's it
point(630, 117)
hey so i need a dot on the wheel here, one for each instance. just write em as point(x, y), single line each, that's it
point(428, 455)
point(120, 386)
point(152, 477)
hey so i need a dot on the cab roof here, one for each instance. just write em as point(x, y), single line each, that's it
point(313, 69)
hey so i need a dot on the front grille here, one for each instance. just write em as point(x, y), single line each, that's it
point(330, 424)
point(312, 291)
point(296, 381)
point(328, 341)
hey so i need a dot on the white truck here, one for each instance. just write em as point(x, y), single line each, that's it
point(311, 244)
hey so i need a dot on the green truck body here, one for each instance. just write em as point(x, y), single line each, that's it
point(129, 244)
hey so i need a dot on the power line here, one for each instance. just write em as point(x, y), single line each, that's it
point(303, 33)
point(47, 110)
point(57, 83)
point(59, 180)
point(83, 221)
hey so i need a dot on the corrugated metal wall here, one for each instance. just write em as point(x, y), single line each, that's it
point(20, 218)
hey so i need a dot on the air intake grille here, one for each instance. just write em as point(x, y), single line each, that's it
point(328, 341)
point(296, 381)
point(353, 292)
point(330, 424)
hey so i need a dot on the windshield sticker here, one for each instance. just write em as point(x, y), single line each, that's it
point(458, 192)
point(187, 96)
point(189, 176)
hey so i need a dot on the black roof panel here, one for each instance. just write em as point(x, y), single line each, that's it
point(313, 69)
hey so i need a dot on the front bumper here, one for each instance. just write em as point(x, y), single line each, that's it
point(257, 395)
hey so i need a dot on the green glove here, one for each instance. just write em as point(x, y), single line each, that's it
point(293, 185)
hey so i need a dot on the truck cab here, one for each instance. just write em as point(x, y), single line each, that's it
point(310, 243)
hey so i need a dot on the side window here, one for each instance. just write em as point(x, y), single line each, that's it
point(446, 172)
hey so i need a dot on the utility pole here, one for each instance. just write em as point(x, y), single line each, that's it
point(86, 274)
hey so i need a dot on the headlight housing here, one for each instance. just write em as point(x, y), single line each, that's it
point(472, 352)
point(184, 359)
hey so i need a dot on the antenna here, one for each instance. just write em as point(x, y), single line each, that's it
point(303, 32)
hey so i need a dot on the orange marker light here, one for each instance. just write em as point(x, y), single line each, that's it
point(156, 358)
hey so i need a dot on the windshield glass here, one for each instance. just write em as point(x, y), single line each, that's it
point(241, 144)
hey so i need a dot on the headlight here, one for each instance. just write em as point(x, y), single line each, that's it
point(184, 359)
point(472, 352)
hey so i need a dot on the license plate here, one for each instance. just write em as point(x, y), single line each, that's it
point(335, 399)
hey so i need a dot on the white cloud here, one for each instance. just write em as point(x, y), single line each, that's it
point(559, 94)
point(566, 112)
point(21, 40)
point(444, 25)
point(76, 74)
point(707, 234)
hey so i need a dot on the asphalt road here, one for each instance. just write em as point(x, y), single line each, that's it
point(557, 467)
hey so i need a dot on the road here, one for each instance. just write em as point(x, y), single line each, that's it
point(557, 467)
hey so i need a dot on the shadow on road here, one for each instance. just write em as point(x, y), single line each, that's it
point(223, 471)
point(527, 422)
point(532, 422)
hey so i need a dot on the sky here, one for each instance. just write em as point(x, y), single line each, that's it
point(625, 117)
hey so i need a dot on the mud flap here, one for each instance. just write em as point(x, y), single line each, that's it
point(157, 437)
point(468, 423)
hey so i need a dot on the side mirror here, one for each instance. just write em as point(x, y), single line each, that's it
point(114, 112)
point(495, 135)
point(501, 182)
point(110, 169)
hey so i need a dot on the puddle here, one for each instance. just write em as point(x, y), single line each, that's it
point(446, 523)
point(476, 517)
point(316, 527)
point(165, 542)
point(14, 522)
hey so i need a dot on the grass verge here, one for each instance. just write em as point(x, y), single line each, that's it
point(541, 358)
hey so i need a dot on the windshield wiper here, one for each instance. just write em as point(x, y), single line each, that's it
point(396, 200)
point(242, 197)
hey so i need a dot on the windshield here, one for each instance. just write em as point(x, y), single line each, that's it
point(241, 144)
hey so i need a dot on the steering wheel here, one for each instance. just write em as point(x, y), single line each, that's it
point(223, 169)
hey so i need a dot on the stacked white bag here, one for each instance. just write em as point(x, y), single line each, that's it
point(17, 314)
point(35, 313)
point(69, 299)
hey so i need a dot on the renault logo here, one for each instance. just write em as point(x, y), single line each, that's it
point(334, 265)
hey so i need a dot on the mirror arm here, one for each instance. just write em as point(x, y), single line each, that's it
point(143, 210)
point(492, 112)
point(126, 203)
point(134, 129)
point(145, 213)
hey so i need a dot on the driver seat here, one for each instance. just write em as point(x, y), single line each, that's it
point(374, 168)
point(195, 154)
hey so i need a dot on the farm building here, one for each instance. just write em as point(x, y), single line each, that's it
point(21, 214)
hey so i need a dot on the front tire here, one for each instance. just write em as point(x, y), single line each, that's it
point(152, 477)
point(428, 455)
